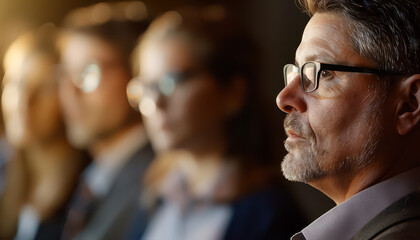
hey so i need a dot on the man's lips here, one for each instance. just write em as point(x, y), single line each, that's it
point(293, 134)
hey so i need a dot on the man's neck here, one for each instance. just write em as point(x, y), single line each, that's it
point(343, 186)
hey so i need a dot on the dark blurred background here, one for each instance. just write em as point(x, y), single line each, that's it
point(277, 26)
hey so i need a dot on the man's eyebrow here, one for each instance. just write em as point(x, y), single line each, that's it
point(322, 58)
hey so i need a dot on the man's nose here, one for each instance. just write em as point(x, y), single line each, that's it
point(151, 102)
point(155, 95)
point(291, 98)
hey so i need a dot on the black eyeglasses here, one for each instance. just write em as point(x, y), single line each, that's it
point(311, 72)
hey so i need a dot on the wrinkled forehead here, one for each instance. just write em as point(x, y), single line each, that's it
point(326, 39)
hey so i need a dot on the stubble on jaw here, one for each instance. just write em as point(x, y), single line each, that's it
point(305, 162)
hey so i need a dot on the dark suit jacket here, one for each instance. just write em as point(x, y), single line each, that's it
point(401, 220)
point(264, 215)
point(111, 217)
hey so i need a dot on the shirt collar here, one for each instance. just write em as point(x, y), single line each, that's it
point(218, 185)
point(346, 219)
point(102, 171)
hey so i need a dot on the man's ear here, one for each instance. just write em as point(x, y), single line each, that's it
point(409, 106)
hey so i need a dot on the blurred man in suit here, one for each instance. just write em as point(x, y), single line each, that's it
point(352, 100)
point(95, 69)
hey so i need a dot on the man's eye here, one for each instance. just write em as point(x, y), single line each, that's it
point(325, 74)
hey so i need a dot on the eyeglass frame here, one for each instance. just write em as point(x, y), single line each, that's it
point(80, 78)
point(160, 87)
point(333, 67)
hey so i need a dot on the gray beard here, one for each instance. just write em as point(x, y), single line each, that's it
point(303, 166)
point(306, 163)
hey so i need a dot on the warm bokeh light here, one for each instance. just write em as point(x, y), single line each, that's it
point(105, 11)
point(134, 93)
point(136, 11)
point(90, 78)
point(147, 106)
point(101, 13)
point(277, 26)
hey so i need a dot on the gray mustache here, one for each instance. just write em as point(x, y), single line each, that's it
point(293, 122)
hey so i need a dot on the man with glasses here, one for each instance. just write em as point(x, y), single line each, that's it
point(95, 69)
point(352, 101)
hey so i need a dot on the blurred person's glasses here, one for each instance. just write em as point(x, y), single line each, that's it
point(138, 89)
point(312, 72)
point(87, 80)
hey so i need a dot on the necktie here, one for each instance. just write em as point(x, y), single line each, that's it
point(80, 210)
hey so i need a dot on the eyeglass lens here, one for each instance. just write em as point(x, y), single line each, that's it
point(90, 78)
point(308, 76)
point(290, 73)
point(309, 72)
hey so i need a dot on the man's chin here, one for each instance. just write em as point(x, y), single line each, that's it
point(289, 169)
point(298, 168)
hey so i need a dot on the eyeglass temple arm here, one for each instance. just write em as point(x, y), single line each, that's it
point(343, 68)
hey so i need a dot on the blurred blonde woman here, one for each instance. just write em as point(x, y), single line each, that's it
point(44, 169)
point(216, 177)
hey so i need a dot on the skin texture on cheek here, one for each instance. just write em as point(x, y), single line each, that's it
point(335, 122)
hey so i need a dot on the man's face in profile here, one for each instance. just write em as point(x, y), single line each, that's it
point(334, 130)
